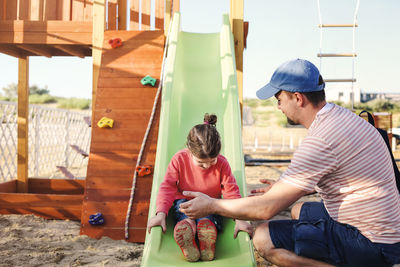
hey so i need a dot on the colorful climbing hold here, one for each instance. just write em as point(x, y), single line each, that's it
point(117, 42)
point(96, 219)
point(144, 170)
point(105, 122)
point(148, 80)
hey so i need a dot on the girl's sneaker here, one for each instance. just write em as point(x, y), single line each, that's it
point(207, 234)
point(185, 238)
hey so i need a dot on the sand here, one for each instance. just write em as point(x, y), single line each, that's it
point(28, 240)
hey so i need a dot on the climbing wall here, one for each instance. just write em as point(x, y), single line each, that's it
point(121, 97)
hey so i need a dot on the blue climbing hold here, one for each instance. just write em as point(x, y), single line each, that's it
point(96, 219)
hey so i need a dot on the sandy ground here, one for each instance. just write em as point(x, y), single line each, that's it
point(27, 240)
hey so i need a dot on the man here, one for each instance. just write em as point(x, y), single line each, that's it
point(345, 160)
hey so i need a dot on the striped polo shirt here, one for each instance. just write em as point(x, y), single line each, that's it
point(345, 159)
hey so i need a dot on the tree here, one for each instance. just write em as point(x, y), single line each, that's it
point(35, 90)
point(11, 90)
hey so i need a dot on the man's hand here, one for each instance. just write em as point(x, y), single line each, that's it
point(261, 191)
point(158, 220)
point(243, 226)
point(199, 206)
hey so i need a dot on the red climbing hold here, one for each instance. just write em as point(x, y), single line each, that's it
point(117, 42)
point(144, 170)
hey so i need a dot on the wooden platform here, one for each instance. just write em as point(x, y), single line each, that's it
point(21, 38)
point(48, 198)
point(113, 152)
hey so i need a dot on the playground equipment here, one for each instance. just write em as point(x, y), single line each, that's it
point(198, 67)
point(105, 122)
point(148, 80)
point(351, 55)
point(68, 28)
point(115, 43)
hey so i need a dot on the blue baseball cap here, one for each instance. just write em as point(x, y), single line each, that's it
point(298, 75)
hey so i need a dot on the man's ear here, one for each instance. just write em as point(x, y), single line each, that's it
point(300, 99)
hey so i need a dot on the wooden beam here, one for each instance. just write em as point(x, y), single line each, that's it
point(13, 51)
point(49, 206)
point(9, 187)
point(35, 50)
point(236, 17)
point(167, 16)
point(99, 19)
point(52, 26)
point(71, 50)
point(46, 32)
point(122, 17)
point(56, 186)
point(23, 114)
point(175, 6)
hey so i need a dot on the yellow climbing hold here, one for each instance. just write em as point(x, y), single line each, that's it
point(105, 122)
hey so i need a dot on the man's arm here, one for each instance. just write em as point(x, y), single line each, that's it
point(279, 197)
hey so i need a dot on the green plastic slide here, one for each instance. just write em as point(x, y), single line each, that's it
point(200, 77)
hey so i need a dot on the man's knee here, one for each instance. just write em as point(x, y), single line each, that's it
point(261, 240)
point(295, 212)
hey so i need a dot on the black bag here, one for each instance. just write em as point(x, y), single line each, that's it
point(385, 137)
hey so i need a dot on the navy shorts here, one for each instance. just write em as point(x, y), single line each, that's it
point(179, 216)
point(316, 235)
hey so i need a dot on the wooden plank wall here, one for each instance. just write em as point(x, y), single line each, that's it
point(114, 151)
point(43, 10)
point(9, 187)
point(49, 206)
point(48, 198)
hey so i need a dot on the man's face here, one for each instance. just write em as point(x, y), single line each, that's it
point(287, 104)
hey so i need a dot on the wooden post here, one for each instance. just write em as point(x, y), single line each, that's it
point(236, 17)
point(167, 16)
point(99, 14)
point(122, 16)
point(23, 116)
point(175, 6)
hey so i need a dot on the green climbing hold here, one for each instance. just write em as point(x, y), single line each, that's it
point(148, 80)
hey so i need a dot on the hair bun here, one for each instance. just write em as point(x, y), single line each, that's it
point(210, 119)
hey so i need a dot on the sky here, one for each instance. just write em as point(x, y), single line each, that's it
point(278, 31)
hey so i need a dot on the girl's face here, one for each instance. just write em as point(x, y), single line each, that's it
point(204, 163)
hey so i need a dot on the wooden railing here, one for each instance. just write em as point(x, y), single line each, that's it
point(43, 10)
point(82, 10)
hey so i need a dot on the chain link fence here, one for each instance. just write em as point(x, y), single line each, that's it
point(59, 142)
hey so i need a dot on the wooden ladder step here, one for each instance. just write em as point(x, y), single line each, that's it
point(340, 80)
point(336, 55)
point(337, 25)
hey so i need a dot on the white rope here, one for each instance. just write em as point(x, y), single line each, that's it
point(128, 213)
point(354, 52)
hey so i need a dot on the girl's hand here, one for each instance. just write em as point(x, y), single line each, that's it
point(158, 220)
point(261, 191)
point(243, 226)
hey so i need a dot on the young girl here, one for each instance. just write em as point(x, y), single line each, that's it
point(201, 168)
